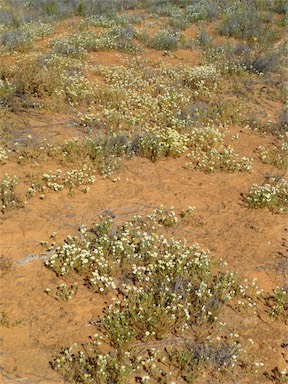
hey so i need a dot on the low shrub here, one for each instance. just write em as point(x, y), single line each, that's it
point(23, 38)
point(164, 40)
point(210, 153)
point(8, 196)
point(275, 156)
point(203, 10)
point(248, 22)
point(166, 292)
point(272, 194)
point(157, 144)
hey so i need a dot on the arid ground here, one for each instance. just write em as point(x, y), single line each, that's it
point(88, 132)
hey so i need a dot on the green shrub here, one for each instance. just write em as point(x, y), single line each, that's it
point(22, 38)
point(275, 156)
point(247, 22)
point(157, 144)
point(277, 303)
point(166, 291)
point(8, 195)
point(206, 10)
point(209, 153)
point(164, 40)
point(273, 195)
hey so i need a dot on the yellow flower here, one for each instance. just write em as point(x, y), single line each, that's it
point(244, 41)
point(255, 38)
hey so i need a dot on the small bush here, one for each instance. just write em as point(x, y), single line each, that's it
point(210, 153)
point(124, 39)
point(164, 40)
point(247, 22)
point(192, 359)
point(22, 38)
point(206, 10)
point(264, 62)
point(165, 10)
point(203, 38)
point(37, 78)
point(280, 6)
point(56, 182)
point(275, 156)
point(277, 303)
point(8, 195)
point(159, 144)
point(273, 195)
point(179, 22)
point(104, 21)
point(17, 40)
point(244, 57)
point(77, 45)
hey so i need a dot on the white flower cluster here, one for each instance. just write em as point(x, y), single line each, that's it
point(8, 195)
point(104, 21)
point(58, 181)
point(273, 195)
point(3, 153)
point(136, 99)
point(25, 35)
point(275, 156)
point(277, 302)
point(84, 41)
point(64, 292)
point(210, 152)
point(159, 143)
point(158, 271)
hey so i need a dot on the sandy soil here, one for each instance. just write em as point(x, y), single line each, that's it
point(253, 242)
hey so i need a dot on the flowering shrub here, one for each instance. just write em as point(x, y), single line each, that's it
point(273, 194)
point(64, 292)
point(275, 156)
point(156, 144)
point(37, 77)
point(22, 38)
point(277, 303)
point(247, 23)
point(165, 290)
point(149, 100)
point(3, 154)
point(80, 43)
point(9, 197)
point(210, 153)
point(104, 21)
point(57, 182)
point(164, 40)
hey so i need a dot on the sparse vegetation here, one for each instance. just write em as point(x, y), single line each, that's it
point(5, 266)
point(167, 291)
point(190, 94)
point(277, 302)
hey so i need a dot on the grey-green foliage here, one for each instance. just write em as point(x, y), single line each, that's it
point(23, 37)
point(164, 40)
point(243, 56)
point(77, 45)
point(203, 10)
point(247, 21)
point(18, 12)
